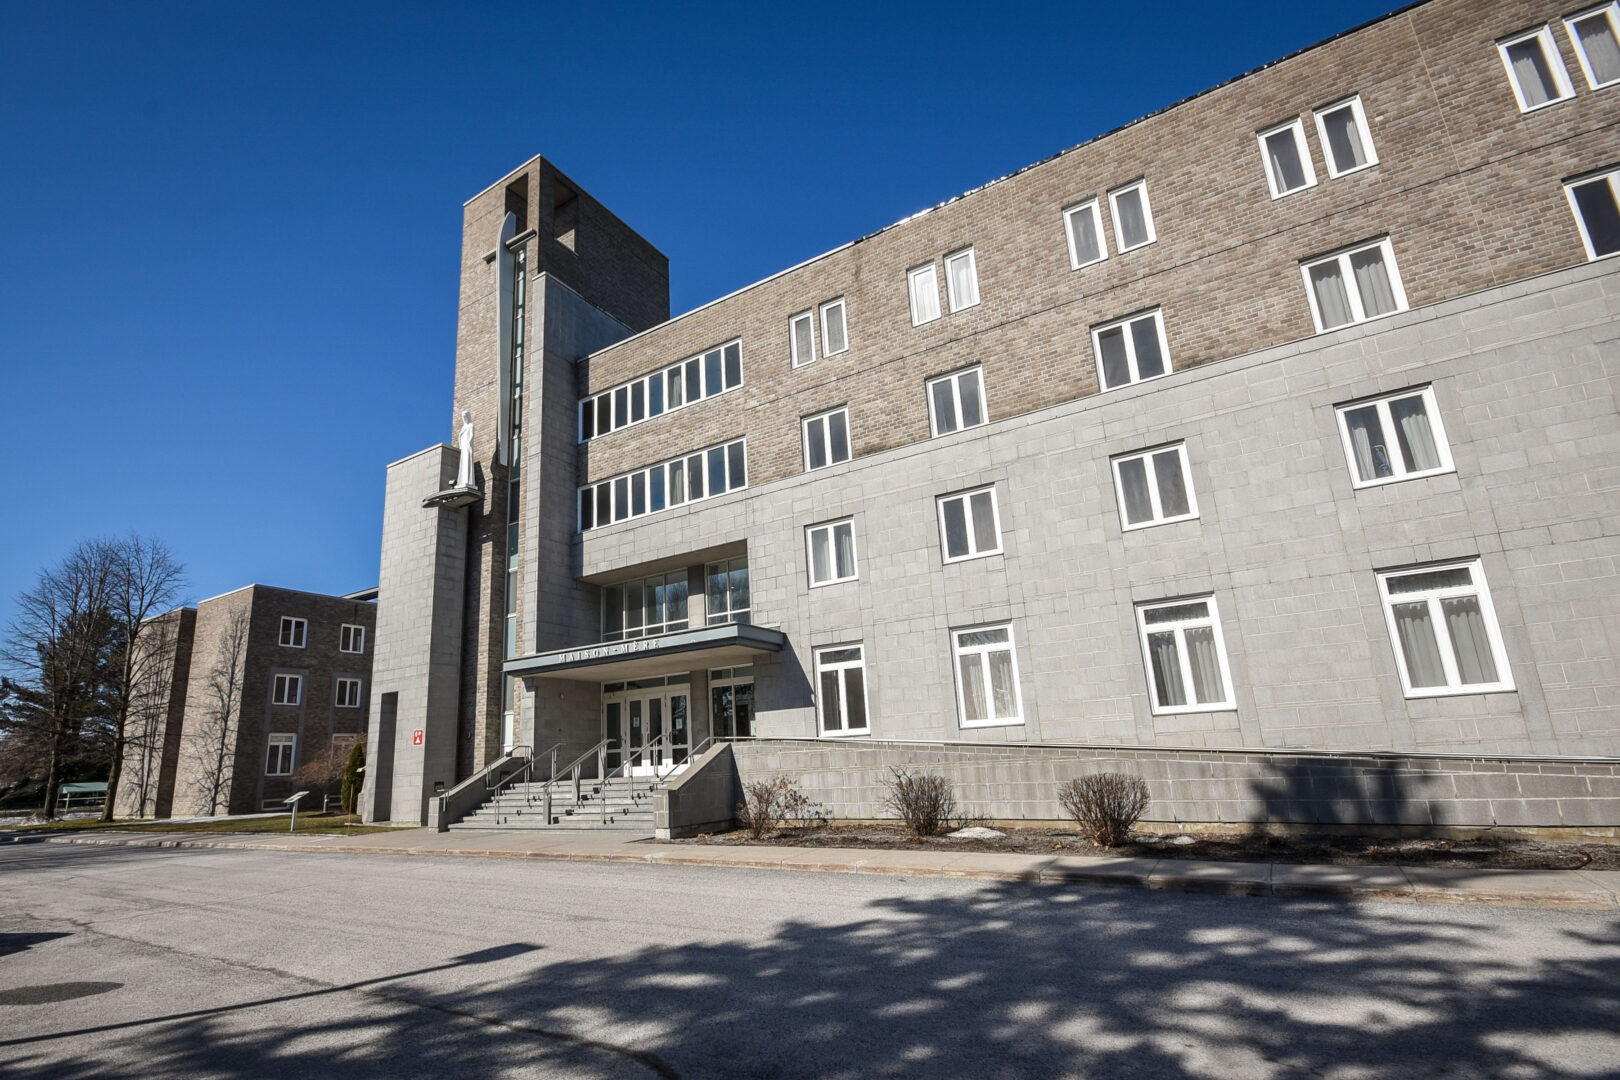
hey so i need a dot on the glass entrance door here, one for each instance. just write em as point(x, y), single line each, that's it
point(647, 729)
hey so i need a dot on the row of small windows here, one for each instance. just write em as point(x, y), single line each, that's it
point(1536, 68)
point(1346, 147)
point(1440, 618)
point(288, 689)
point(691, 478)
point(293, 633)
point(704, 376)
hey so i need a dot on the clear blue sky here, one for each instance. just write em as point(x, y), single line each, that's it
point(229, 232)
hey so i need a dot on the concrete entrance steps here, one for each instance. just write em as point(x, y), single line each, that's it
point(522, 806)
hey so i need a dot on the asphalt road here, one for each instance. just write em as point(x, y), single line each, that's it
point(121, 962)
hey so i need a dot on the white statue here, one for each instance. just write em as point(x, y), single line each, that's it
point(464, 472)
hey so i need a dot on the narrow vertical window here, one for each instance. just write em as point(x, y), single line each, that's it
point(1353, 286)
point(1287, 159)
point(1595, 202)
point(1596, 34)
point(969, 525)
point(1083, 226)
point(727, 598)
point(1444, 630)
point(1346, 141)
point(1186, 656)
point(801, 338)
point(1397, 437)
point(587, 420)
point(826, 439)
point(834, 338)
point(733, 365)
point(962, 279)
point(1130, 350)
point(1154, 487)
point(1133, 217)
point(923, 282)
point(279, 762)
point(956, 401)
point(1535, 69)
point(987, 676)
point(831, 550)
point(712, 373)
point(841, 680)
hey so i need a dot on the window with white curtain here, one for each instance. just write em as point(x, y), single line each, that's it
point(1083, 226)
point(831, 552)
point(923, 284)
point(1596, 34)
point(987, 676)
point(1287, 159)
point(1186, 656)
point(1354, 285)
point(1395, 437)
point(956, 401)
point(969, 524)
point(841, 679)
point(1154, 487)
point(1133, 217)
point(826, 439)
point(802, 338)
point(834, 332)
point(1535, 69)
point(962, 279)
point(1130, 350)
point(1595, 201)
point(1444, 630)
point(1346, 140)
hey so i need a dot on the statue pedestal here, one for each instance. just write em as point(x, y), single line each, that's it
point(451, 498)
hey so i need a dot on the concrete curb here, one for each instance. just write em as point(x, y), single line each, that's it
point(1577, 889)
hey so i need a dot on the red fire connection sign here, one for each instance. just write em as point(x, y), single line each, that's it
point(416, 737)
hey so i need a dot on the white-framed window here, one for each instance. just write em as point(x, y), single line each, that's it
point(713, 371)
point(726, 594)
point(645, 607)
point(1154, 487)
point(1535, 68)
point(1083, 226)
point(1133, 217)
point(1394, 437)
point(987, 676)
point(841, 700)
point(279, 761)
point(962, 279)
point(701, 475)
point(1596, 34)
point(287, 690)
point(826, 438)
point(834, 331)
point(1354, 285)
point(1186, 655)
point(348, 693)
point(802, 338)
point(923, 284)
point(1444, 630)
point(1347, 144)
point(1595, 202)
point(956, 401)
point(294, 632)
point(1287, 158)
point(1131, 349)
point(352, 638)
point(830, 548)
point(969, 524)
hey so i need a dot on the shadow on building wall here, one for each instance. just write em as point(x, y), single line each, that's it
point(1341, 791)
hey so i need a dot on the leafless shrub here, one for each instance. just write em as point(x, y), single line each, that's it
point(925, 803)
point(769, 804)
point(1105, 805)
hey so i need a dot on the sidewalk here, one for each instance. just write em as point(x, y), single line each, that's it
point(1598, 889)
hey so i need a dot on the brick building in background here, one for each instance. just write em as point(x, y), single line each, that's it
point(1266, 447)
point(257, 683)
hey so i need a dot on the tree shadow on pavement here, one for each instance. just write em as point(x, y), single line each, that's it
point(1001, 981)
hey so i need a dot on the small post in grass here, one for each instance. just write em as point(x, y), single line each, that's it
point(292, 801)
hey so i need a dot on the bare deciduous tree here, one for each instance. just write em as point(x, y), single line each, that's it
point(213, 744)
point(149, 708)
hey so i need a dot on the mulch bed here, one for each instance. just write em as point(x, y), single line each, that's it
point(1506, 853)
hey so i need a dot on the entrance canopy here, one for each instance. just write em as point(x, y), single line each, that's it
point(726, 645)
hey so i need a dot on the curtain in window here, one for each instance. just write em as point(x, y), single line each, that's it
point(964, 286)
point(820, 563)
point(1166, 669)
point(1418, 645)
point(832, 716)
point(1002, 684)
point(1149, 360)
point(1344, 139)
point(1205, 664)
point(1372, 282)
point(968, 387)
point(1133, 486)
point(973, 703)
point(844, 537)
point(1172, 484)
point(1286, 170)
point(1116, 367)
point(1083, 223)
point(1416, 435)
point(984, 523)
point(834, 328)
point(1530, 69)
point(1601, 49)
point(1367, 441)
point(1331, 299)
point(1131, 224)
point(1466, 625)
point(804, 347)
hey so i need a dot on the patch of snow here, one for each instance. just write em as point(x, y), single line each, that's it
point(977, 832)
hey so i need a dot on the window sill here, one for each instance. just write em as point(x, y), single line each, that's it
point(1351, 172)
point(1017, 721)
point(1426, 693)
point(1523, 111)
point(1183, 710)
point(971, 558)
point(1385, 481)
point(836, 581)
point(863, 733)
point(1361, 322)
point(1155, 524)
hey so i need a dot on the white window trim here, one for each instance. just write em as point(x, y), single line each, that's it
point(1555, 63)
point(356, 633)
point(1147, 215)
point(663, 374)
point(1229, 704)
point(810, 557)
point(965, 496)
point(804, 437)
point(296, 682)
point(843, 696)
point(1157, 314)
point(1437, 427)
point(912, 276)
point(1353, 102)
point(990, 697)
point(1146, 457)
point(708, 493)
point(1303, 148)
point(977, 371)
point(1448, 652)
point(1358, 313)
point(793, 339)
point(281, 739)
point(1610, 11)
point(843, 311)
point(337, 697)
point(1613, 177)
point(1091, 205)
point(300, 625)
point(950, 286)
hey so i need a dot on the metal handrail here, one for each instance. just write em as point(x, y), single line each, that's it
point(495, 781)
point(573, 768)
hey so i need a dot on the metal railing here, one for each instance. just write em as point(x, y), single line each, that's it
point(573, 770)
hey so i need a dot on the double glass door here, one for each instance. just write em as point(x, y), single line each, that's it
point(647, 729)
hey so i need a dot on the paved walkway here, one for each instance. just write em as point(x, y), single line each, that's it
point(1520, 888)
